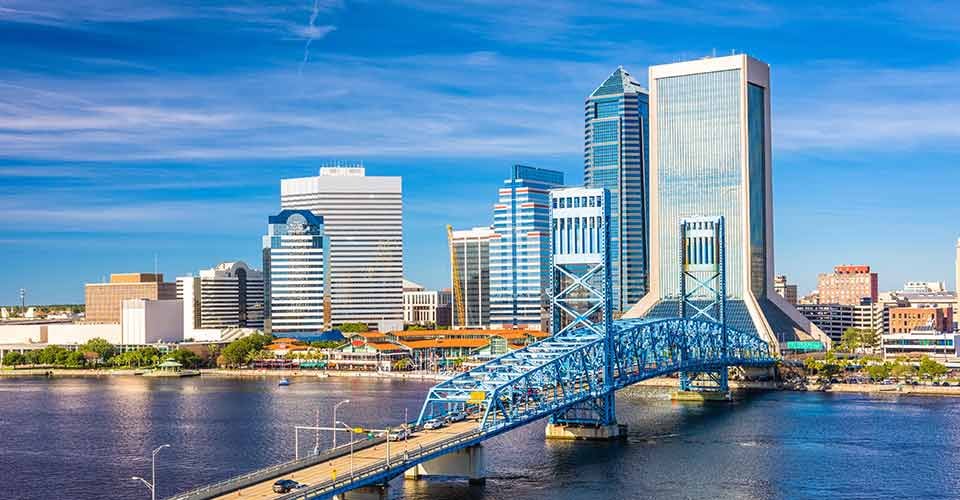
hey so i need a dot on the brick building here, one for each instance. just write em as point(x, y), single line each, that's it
point(104, 300)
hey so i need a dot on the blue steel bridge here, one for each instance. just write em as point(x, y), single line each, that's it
point(570, 378)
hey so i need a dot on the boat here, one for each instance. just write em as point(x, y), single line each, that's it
point(284, 381)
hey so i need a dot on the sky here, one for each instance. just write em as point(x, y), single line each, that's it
point(143, 132)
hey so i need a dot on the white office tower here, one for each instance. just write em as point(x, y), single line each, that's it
point(363, 217)
point(710, 156)
point(229, 295)
point(295, 264)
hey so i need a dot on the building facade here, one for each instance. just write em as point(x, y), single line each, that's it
point(296, 269)
point(847, 285)
point(616, 158)
point(710, 156)
point(519, 253)
point(785, 290)
point(908, 319)
point(834, 319)
point(151, 321)
point(421, 306)
point(230, 295)
point(470, 251)
point(363, 217)
point(104, 300)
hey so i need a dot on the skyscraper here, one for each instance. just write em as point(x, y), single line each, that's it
point(615, 157)
point(363, 216)
point(520, 253)
point(297, 272)
point(710, 156)
point(471, 251)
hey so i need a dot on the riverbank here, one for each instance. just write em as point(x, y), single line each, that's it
point(220, 372)
point(895, 389)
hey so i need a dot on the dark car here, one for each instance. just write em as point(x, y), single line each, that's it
point(285, 486)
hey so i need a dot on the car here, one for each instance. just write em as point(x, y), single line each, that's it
point(286, 485)
point(456, 416)
point(398, 435)
point(433, 424)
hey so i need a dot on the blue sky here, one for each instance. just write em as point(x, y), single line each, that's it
point(135, 128)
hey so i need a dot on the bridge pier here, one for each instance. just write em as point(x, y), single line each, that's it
point(374, 492)
point(466, 462)
point(586, 432)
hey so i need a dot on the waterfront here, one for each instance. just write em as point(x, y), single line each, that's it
point(84, 437)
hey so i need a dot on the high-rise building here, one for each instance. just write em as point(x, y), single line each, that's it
point(363, 216)
point(229, 295)
point(786, 290)
point(519, 253)
point(616, 157)
point(296, 269)
point(471, 251)
point(104, 300)
point(847, 285)
point(710, 156)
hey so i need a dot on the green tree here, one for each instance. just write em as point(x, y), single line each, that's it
point(879, 371)
point(104, 349)
point(851, 339)
point(240, 351)
point(353, 328)
point(869, 338)
point(75, 360)
point(327, 344)
point(13, 358)
point(902, 371)
point(812, 365)
point(931, 369)
point(402, 364)
point(185, 357)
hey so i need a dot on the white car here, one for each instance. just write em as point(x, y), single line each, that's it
point(398, 435)
point(433, 424)
point(456, 416)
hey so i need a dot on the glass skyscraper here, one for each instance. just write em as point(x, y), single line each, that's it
point(519, 252)
point(616, 158)
point(296, 252)
point(710, 156)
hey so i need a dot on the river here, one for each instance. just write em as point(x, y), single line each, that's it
point(83, 438)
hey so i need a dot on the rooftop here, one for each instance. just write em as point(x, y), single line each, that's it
point(618, 82)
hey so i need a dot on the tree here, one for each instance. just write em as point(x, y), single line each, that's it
point(902, 371)
point(326, 344)
point(354, 328)
point(13, 358)
point(869, 338)
point(75, 360)
point(239, 352)
point(811, 364)
point(931, 369)
point(402, 364)
point(185, 357)
point(100, 346)
point(879, 371)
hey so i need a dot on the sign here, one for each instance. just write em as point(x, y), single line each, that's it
point(477, 397)
point(358, 430)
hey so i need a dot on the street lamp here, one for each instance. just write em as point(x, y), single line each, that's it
point(345, 401)
point(350, 430)
point(152, 484)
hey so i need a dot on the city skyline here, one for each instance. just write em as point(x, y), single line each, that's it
point(99, 175)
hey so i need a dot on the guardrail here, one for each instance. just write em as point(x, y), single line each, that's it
point(260, 475)
point(381, 470)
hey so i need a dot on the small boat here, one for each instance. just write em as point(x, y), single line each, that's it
point(283, 381)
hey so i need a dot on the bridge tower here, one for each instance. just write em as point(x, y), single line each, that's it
point(581, 300)
point(703, 294)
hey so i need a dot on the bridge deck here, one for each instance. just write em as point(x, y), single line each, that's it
point(364, 459)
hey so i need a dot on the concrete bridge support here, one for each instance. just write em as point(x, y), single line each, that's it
point(374, 492)
point(465, 462)
point(586, 432)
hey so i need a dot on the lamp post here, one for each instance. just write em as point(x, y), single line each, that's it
point(350, 430)
point(335, 421)
point(152, 485)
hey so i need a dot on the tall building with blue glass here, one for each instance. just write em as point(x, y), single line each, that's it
point(615, 158)
point(710, 156)
point(296, 270)
point(520, 249)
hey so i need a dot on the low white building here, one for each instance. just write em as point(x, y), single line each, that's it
point(80, 333)
point(147, 321)
point(420, 305)
point(940, 346)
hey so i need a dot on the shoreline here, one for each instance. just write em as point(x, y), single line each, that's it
point(662, 382)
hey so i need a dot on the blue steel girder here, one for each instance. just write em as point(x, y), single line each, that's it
point(557, 373)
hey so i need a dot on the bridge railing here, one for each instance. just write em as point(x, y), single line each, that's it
point(384, 469)
point(268, 473)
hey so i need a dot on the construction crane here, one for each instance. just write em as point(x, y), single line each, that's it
point(455, 271)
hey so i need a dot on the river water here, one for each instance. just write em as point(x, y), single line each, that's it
point(83, 438)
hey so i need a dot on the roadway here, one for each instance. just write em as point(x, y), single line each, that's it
point(340, 467)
